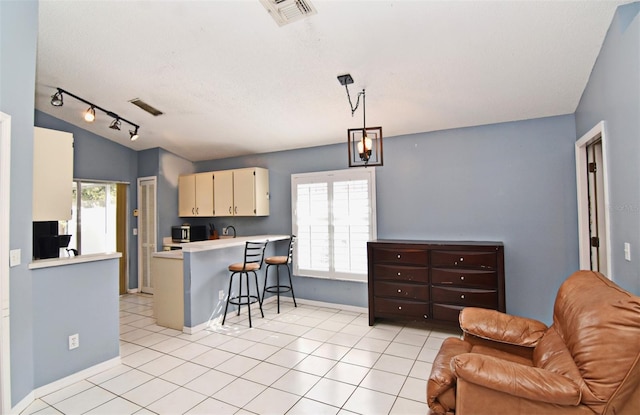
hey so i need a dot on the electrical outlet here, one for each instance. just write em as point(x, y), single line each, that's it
point(221, 295)
point(74, 341)
point(627, 251)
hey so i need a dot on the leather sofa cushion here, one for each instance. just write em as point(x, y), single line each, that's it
point(600, 325)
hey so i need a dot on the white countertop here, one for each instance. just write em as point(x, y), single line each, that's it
point(216, 244)
point(56, 262)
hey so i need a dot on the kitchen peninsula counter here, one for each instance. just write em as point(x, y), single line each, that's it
point(204, 276)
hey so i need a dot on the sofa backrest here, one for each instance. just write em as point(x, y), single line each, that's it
point(599, 323)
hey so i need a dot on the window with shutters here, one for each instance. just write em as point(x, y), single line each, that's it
point(334, 215)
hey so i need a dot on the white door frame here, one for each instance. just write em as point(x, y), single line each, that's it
point(5, 183)
point(154, 179)
point(599, 132)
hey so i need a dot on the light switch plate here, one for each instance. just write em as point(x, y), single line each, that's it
point(627, 251)
point(14, 257)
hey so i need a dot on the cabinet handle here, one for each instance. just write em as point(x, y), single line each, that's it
point(462, 296)
point(193, 211)
point(399, 291)
point(399, 307)
point(398, 256)
point(235, 210)
point(229, 209)
point(197, 211)
point(461, 259)
point(425, 316)
point(399, 273)
point(461, 278)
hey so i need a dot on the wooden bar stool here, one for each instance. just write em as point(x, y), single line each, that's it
point(253, 257)
point(280, 261)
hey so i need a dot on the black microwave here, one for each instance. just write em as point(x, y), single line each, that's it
point(188, 233)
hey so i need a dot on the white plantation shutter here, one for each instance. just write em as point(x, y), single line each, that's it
point(333, 217)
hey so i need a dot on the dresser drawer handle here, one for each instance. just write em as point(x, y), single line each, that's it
point(399, 307)
point(399, 291)
point(462, 296)
point(461, 278)
point(398, 256)
point(461, 259)
point(425, 316)
point(399, 273)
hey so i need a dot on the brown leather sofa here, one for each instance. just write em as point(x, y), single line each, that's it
point(587, 362)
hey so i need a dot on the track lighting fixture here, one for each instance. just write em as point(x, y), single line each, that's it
point(56, 99)
point(90, 114)
point(365, 142)
point(115, 124)
point(134, 134)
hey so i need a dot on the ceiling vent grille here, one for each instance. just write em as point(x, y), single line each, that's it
point(288, 11)
point(146, 107)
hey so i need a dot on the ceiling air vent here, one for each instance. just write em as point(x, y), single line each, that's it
point(144, 106)
point(288, 11)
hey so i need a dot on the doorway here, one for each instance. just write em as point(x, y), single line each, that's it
point(593, 200)
point(147, 230)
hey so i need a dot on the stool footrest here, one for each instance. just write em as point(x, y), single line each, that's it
point(278, 289)
point(244, 300)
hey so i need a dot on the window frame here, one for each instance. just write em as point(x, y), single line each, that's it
point(330, 177)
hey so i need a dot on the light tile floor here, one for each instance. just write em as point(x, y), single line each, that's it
point(305, 360)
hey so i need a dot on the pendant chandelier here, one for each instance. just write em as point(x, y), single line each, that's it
point(365, 144)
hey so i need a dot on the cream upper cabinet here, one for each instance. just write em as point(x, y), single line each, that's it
point(223, 193)
point(52, 174)
point(241, 192)
point(195, 195)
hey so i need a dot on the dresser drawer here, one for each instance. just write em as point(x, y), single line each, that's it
point(446, 312)
point(402, 290)
point(465, 296)
point(401, 273)
point(403, 308)
point(464, 277)
point(401, 256)
point(467, 259)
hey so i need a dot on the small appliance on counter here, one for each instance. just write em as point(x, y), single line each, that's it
point(188, 233)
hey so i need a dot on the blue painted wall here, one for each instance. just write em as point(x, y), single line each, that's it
point(80, 298)
point(511, 182)
point(18, 40)
point(613, 95)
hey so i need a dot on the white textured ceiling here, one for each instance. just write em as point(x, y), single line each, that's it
point(231, 82)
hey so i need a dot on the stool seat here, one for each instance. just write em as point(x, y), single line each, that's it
point(241, 266)
point(276, 260)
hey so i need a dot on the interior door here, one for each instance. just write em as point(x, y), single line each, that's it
point(595, 180)
point(147, 231)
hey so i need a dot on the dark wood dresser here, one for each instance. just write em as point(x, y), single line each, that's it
point(434, 280)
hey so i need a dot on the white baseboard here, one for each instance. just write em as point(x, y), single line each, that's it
point(133, 290)
point(22, 405)
point(76, 377)
point(62, 383)
point(314, 303)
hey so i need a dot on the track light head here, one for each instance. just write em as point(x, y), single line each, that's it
point(134, 134)
point(115, 124)
point(90, 115)
point(56, 99)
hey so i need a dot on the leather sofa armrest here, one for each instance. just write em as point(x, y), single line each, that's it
point(516, 379)
point(500, 327)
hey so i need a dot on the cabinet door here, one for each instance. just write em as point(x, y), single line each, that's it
point(244, 191)
point(52, 174)
point(187, 195)
point(223, 193)
point(204, 194)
